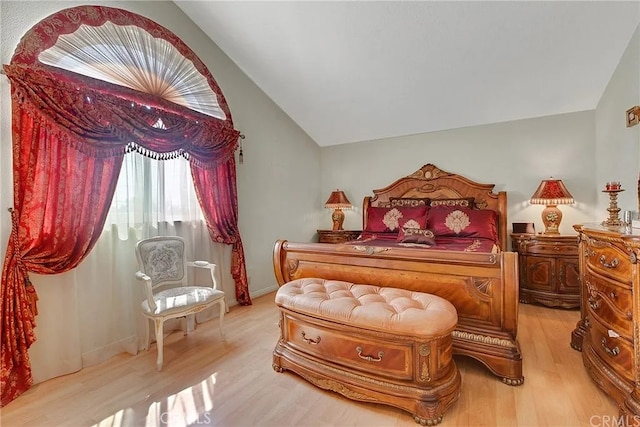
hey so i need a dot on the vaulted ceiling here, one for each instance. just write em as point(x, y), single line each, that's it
point(349, 71)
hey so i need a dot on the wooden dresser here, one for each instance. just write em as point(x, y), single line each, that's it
point(608, 332)
point(548, 269)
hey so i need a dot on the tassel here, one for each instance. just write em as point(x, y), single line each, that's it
point(241, 154)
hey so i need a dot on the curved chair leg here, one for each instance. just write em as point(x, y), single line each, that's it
point(159, 342)
point(223, 305)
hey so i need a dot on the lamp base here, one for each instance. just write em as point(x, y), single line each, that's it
point(551, 217)
point(338, 219)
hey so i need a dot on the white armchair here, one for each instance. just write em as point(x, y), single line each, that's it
point(162, 264)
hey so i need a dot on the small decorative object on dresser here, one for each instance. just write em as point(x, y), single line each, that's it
point(337, 236)
point(548, 266)
point(612, 189)
point(608, 332)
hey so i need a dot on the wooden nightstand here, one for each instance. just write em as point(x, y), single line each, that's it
point(337, 236)
point(549, 269)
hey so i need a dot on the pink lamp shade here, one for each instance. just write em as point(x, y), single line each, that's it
point(551, 192)
point(338, 201)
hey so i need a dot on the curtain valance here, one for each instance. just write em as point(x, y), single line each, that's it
point(109, 118)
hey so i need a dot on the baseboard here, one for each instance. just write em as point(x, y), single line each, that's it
point(264, 291)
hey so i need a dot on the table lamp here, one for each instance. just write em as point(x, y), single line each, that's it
point(551, 192)
point(338, 201)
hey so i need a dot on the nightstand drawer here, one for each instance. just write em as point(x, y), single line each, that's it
point(553, 249)
point(548, 265)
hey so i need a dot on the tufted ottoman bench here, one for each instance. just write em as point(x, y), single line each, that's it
point(370, 343)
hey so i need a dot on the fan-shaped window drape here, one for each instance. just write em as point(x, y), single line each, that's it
point(70, 132)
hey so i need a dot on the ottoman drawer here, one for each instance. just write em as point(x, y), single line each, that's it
point(352, 349)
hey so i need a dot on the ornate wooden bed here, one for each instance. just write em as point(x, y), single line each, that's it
point(483, 286)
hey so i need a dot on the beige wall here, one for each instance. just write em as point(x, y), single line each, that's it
point(618, 147)
point(513, 155)
point(278, 184)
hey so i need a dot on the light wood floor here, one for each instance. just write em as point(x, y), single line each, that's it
point(206, 382)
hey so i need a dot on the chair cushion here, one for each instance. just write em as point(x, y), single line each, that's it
point(176, 299)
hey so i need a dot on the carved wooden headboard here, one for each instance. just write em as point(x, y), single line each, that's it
point(431, 182)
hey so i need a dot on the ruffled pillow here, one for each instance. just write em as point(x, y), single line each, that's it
point(408, 202)
point(466, 202)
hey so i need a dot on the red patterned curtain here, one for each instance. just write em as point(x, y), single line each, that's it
point(61, 198)
point(214, 189)
point(70, 133)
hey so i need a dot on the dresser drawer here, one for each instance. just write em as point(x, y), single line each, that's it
point(350, 348)
point(553, 249)
point(609, 260)
point(616, 352)
point(612, 305)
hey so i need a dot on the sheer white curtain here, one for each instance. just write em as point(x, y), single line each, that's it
point(92, 313)
point(152, 192)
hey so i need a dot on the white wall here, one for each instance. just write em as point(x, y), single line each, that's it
point(618, 147)
point(513, 155)
point(278, 184)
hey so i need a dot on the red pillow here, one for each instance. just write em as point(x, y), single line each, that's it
point(382, 220)
point(420, 222)
point(405, 224)
point(450, 221)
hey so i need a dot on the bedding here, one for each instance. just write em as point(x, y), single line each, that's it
point(454, 244)
point(465, 262)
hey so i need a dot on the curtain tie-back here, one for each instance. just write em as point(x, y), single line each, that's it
point(22, 269)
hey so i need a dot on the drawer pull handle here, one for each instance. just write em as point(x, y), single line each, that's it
point(610, 351)
point(369, 358)
point(612, 264)
point(309, 340)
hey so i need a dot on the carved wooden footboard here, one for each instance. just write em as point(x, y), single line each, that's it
point(482, 286)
